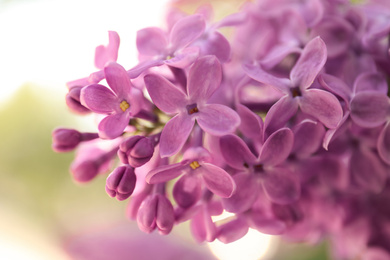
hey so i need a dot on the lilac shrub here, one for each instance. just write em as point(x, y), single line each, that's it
point(285, 123)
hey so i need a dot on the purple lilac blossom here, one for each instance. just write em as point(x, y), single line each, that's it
point(284, 122)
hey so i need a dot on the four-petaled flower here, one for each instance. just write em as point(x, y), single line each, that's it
point(204, 78)
point(120, 103)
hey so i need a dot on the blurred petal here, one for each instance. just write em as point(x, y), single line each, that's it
point(204, 78)
point(233, 230)
point(235, 152)
point(384, 143)
point(371, 82)
point(187, 190)
point(175, 134)
point(323, 106)
point(217, 119)
point(309, 64)
point(202, 227)
point(367, 171)
point(104, 54)
point(143, 67)
point(266, 225)
point(251, 124)
point(184, 58)
point(308, 137)
point(246, 193)
point(277, 147)
point(151, 41)
point(164, 94)
point(217, 180)
point(258, 74)
point(370, 109)
point(186, 30)
point(216, 44)
point(281, 186)
point(146, 216)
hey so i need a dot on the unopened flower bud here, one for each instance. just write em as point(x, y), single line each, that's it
point(65, 140)
point(73, 101)
point(136, 151)
point(121, 182)
point(84, 171)
point(156, 211)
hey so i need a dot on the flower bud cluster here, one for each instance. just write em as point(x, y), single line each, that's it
point(285, 124)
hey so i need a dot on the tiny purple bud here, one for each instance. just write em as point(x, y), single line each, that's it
point(73, 101)
point(65, 140)
point(136, 151)
point(156, 211)
point(84, 171)
point(121, 182)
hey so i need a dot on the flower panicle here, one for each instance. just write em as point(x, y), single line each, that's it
point(284, 123)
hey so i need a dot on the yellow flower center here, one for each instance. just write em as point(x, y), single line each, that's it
point(194, 165)
point(124, 105)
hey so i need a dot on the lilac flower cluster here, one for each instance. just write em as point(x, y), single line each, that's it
point(285, 124)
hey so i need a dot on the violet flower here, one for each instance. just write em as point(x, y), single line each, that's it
point(203, 79)
point(197, 169)
point(317, 103)
point(157, 48)
point(120, 103)
point(264, 170)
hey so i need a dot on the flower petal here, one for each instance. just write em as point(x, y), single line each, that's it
point(323, 106)
point(164, 94)
point(184, 58)
point(281, 186)
point(112, 126)
point(99, 99)
point(217, 119)
point(186, 30)
point(370, 109)
point(258, 74)
point(251, 124)
point(117, 79)
point(336, 86)
point(215, 44)
point(246, 193)
point(308, 137)
point(165, 216)
point(187, 190)
point(309, 64)
point(151, 41)
point(266, 225)
point(279, 114)
point(143, 67)
point(175, 134)
point(233, 230)
point(166, 173)
point(217, 180)
point(204, 78)
point(367, 171)
point(235, 152)
point(104, 54)
point(384, 143)
point(371, 81)
point(277, 147)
